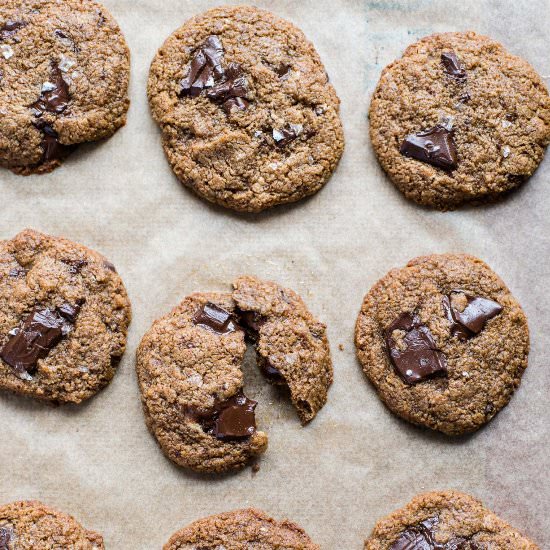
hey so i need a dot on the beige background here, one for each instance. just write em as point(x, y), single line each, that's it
point(356, 462)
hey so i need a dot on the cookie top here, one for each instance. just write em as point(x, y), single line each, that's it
point(443, 342)
point(190, 377)
point(292, 346)
point(64, 73)
point(445, 520)
point(248, 117)
point(240, 530)
point(458, 119)
point(31, 525)
point(64, 316)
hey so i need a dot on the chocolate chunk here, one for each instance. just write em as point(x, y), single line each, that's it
point(472, 319)
point(282, 70)
point(10, 28)
point(415, 357)
point(251, 321)
point(232, 419)
point(204, 66)
point(284, 136)
point(41, 331)
point(232, 89)
point(75, 266)
point(5, 538)
point(214, 318)
point(17, 272)
point(54, 97)
point(434, 146)
point(270, 372)
point(51, 146)
point(418, 537)
point(452, 64)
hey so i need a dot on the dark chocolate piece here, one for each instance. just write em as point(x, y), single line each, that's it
point(75, 266)
point(251, 321)
point(272, 374)
point(282, 70)
point(232, 419)
point(204, 67)
point(51, 145)
point(232, 89)
point(10, 28)
point(416, 356)
point(453, 66)
point(471, 321)
point(214, 318)
point(434, 146)
point(17, 272)
point(41, 331)
point(5, 538)
point(422, 537)
point(54, 97)
point(284, 136)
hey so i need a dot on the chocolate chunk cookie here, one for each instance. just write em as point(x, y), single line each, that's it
point(241, 530)
point(64, 315)
point(248, 117)
point(31, 525)
point(292, 346)
point(189, 371)
point(445, 520)
point(64, 72)
point(191, 382)
point(458, 119)
point(443, 342)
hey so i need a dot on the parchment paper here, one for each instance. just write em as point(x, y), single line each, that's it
point(356, 462)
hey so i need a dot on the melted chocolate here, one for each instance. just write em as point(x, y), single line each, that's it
point(214, 318)
point(41, 331)
point(54, 97)
point(434, 146)
point(51, 146)
point(471, 321)
point(232, 419)
point(416, 358)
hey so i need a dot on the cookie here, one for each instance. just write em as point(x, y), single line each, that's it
point(459, 120)
point(248, 117)
point(64, 316)
point(241, 530)
point(31, 525)
point(191, 381)
point(443, 341)
point(292, 348)
point(446, 520)
point(64, 73)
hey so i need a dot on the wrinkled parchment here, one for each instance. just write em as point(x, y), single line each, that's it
point(356, 462)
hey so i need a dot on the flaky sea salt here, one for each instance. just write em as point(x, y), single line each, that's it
point(506, 151)
point(66, 63)
point(6, 50)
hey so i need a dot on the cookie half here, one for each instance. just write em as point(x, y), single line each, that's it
point(446, 520)
point(292, 346)
point(443, 341)
point(64, 73)
point(248, 117)
point(64, 316)
point(458, 120)
point(31, 525)
point(241, 530)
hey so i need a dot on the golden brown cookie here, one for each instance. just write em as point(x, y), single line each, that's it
point(248, 117)
point(64, 72)
point(191, 381)
point(458, 119)
point(446, 520)
point(241, 530)
point(31, 525)
point(443, 341)
point(64, 316)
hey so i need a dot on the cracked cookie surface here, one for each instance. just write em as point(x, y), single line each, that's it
point(64, 73)
point(491, 108)
point(443, 341)
point(446, 520)
point(248, 117)
point(189, 372)
point(241, 530)
point(64, 316)
point(291, 345)
point(31, 525)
